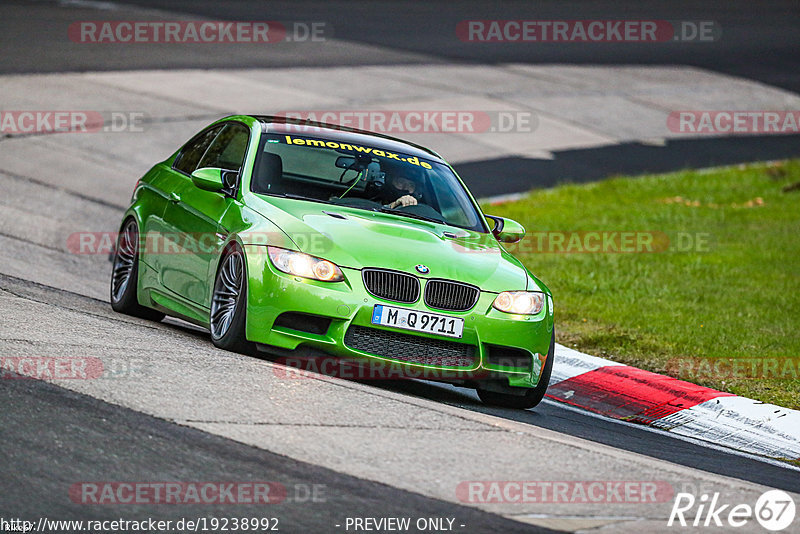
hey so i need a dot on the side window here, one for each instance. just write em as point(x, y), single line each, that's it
point(188, 159)
point(228, 149)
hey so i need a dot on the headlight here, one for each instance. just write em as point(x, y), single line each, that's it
point(519, 302)
point(299, 264)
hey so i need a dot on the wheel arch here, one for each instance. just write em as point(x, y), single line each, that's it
point(233, 241)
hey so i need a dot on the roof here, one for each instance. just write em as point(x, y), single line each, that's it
point(343, 134)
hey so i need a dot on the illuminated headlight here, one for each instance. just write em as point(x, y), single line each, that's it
point(520, 302)
point(299, 264)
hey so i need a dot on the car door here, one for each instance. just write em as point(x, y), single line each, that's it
point(162, 237)
point(194, 215)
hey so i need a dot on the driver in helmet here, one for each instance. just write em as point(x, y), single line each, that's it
point(400, 190)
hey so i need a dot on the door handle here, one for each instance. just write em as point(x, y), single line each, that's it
point(174, 197)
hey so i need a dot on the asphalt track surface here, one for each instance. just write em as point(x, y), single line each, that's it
point(761, 42)
point(52, 436)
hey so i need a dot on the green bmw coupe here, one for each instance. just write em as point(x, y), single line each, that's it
point(294, 237)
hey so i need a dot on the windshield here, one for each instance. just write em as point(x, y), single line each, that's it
point(362, 177)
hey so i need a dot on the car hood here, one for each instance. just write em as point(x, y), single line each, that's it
point(358, 238)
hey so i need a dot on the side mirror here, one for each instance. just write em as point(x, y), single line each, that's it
point(507, 230)
point(213, 179)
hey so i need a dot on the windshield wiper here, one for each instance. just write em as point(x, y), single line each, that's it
point(411, 215)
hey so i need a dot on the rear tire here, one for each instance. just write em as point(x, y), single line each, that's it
point(533, 396)
point(228, 316)
point(125, 275)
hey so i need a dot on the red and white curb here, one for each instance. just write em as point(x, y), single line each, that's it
point(682, 408)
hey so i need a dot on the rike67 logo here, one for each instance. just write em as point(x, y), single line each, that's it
point(774, 510)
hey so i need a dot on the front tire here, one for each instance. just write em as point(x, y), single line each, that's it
point(125, 275)
point(227, 320)
point(533, 396)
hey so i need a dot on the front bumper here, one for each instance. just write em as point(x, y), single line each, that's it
point(349, 308)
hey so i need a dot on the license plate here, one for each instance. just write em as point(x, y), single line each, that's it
point(432, 323)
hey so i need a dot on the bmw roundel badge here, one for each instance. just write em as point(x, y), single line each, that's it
point(422, 269)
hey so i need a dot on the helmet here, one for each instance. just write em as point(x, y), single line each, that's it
point(401, 181)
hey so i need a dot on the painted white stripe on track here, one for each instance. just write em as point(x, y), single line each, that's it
point(687, 438)
point(570, 363)
point(741, 423)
